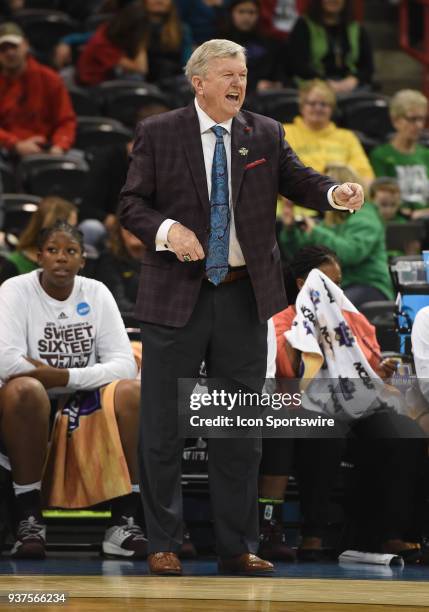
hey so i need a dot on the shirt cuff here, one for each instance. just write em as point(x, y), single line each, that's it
point(161, 242)
point(73, 376)
point(331, 199)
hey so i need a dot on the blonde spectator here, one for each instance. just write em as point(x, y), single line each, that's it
point(316, 139)
point(403, 157)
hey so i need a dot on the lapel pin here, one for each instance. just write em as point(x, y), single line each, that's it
point(243, 151)
point(247, 129)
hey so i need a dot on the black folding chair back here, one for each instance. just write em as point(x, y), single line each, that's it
point(44, 27)
point(17, 209)
point(370, 117)
point(95, 132)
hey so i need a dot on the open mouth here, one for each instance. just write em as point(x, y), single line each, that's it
point(233, 97)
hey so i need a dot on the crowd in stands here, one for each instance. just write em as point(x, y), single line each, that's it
point(57, 112)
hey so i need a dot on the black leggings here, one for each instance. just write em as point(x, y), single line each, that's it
point(383, 492)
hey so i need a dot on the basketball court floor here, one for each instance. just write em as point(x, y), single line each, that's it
point(92, 584)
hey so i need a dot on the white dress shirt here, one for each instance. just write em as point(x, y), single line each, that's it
point(208, 140)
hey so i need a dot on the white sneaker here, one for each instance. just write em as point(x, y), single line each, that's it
point(30, 540)
point(125, 540)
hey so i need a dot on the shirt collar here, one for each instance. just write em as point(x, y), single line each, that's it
point(206, 122)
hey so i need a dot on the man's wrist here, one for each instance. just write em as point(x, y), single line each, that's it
point(332, 201)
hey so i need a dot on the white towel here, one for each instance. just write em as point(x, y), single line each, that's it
point(343, 384)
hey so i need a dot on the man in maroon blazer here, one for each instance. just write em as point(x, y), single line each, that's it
point(195, 305)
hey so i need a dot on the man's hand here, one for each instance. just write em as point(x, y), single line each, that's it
point(30, 146)
point(349, 195)
point(184, 242)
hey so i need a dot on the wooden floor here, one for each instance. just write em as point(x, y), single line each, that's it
point(199, 605)
point(218, 594)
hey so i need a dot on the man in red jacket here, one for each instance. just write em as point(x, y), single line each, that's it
point(36, 114)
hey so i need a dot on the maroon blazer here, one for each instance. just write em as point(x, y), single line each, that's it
point(167, 179)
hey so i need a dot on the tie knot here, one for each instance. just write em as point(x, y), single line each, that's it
point(219, 131)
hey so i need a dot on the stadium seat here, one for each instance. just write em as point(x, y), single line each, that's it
point(8, 178)
point(84, 103)
point(381, 314)
point(31, 164)
point(95, 132)
point(368, 142)
point(345, 101)
point(17, 209)
point(399, 235)
point(125, 105)
point(281, 105)
point(371, 117)
point(45, 27)
point(177, 89)
point(62, 178)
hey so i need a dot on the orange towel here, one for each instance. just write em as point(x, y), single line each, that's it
point(86, 464)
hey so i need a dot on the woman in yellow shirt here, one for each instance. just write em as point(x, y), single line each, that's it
point(316, 139)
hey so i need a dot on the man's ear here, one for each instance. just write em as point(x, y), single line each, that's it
point(39, 258)
point(300, 283)
point(197, 84)
point(83, 262)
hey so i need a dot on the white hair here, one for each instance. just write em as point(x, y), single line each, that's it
point(212, 49)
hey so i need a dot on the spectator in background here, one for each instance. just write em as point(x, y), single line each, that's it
point(403, 157)
point(358, 240)
point(36, 114)
point(278, 17)
point(385, 193)
point(242, 27)
point(327, 44)
point(170, 40)
point(24, 259)
point(119, 267)
point(67, 50)
point(317, 141)
point(203, 17)
point(118, 48)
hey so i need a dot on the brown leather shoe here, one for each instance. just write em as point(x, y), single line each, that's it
point(164, 564)
point(246, 564)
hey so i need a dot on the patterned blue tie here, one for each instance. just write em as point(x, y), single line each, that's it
point(217, 256)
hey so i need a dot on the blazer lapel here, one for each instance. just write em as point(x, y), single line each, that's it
point(189, 132)
point(240, 145)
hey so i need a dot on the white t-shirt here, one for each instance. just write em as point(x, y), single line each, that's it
point(420, 345)
point(84, 334)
